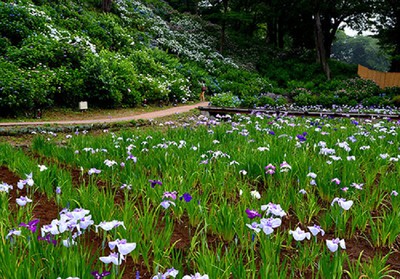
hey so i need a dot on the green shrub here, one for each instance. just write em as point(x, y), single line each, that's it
point(19, 22)
point(266, 100)
point(390, 91)
point(23, 91)
point(4, 45)
point(326, 100)
point(396, 101)
point(375, 101)
point(305, 98)
point(106, 32)
point(358, 89)
point(280, 101)
point(44, 50)
point(225, 100)
point(111, 81)
point(249, 102)
point(69, 87)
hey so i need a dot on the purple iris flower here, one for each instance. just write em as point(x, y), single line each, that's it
point(131, 157)
point(186, 197)
point(301, 138)
point(153, 183)
point(271, 133)
point(49, 238)
point(32, 225)
point(98, 275)
point(171, 195)
point(252, 213)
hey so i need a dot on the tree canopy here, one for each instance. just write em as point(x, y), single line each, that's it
point(307, 24)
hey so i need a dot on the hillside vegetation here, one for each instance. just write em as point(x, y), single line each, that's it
point(57, 53)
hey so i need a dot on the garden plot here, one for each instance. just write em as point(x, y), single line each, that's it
point(236, 197)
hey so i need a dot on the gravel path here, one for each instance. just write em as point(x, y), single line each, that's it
point(149, 115)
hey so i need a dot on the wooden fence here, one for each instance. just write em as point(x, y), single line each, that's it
point(380, 78)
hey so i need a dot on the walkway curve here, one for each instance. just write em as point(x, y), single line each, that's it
point(148, 115)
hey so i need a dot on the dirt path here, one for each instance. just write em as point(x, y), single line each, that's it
point(149, 115)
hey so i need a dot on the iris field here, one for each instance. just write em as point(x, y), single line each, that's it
point(242, 196)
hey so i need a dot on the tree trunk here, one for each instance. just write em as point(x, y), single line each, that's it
point(320, 46)
point(106, 5)
point(395, 63)
point(223, 26)
point(279, 29)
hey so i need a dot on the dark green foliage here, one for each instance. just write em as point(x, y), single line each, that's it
point(18, 23)
point(391, 92)
point(69, 87)
point(265, 101)
point(358, 89)
point(62, 52)
point(225, 100)
point(375, 101)
point(249, 102)
point(43, 50)
point(305, 98)
point(396, 101)
point(23, 91)
point(111, 82)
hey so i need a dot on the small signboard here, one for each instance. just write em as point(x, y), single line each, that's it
point(83, 105)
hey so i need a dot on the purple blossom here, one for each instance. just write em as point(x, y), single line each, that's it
point(274, 209)
point(299, 234)
point(171, 195)
point(358, 186)
point(268, 225)
point(336, 180)
point(49, 238)
point(94, 171)
point(302, 191)
point(252, 213)
point(153, 183)
point(316, 230)
point(114, 258)
point(186, 197)
point(254, 226)
point(32, 225)
point(98, 275)
point(167, 203)
point(334, 244)
point(270, 169)
point(13, 232)
point(131, 157)
point(285, 167)
point(58, 190)
point(22, 201)
point(342, 203)
point(301, 138)
point(271, 133)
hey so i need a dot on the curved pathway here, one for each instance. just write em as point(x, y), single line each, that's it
point(148, 115)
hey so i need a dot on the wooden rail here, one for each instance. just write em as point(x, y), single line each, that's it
point(213, 111)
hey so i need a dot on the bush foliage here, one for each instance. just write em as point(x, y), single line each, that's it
point(57, 53)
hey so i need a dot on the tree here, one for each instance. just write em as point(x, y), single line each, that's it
point(328, 15)
point(388, 24)
point(106, 5)
point(363, 50)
